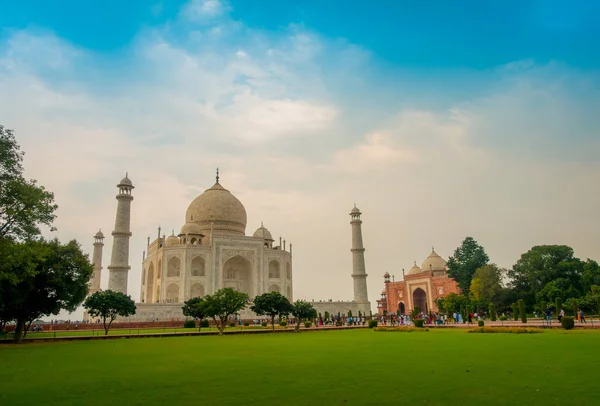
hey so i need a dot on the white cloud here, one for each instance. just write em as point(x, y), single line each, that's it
point(201, 9)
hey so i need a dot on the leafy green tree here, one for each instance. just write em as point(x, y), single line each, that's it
point(303, 311)
point(546, 264)
point(271, 304)
point(492, 312)
point(453, 302)
point(54, 277)
point(107, 305)
point(224, 303)
point(486, 285)
point(590, 275)
point(467, 258)
point(196, 308)
point(24, 205)
point(558, 305)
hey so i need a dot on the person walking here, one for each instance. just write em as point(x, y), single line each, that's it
point(548, 316)
point(581, 316)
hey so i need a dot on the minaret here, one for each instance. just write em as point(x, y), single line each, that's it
point(119, 259)
point(359, 273)
point(97, 261)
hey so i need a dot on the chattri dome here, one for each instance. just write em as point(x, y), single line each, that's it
point(263, 233)
point(190, 228)
point(219, 210)
point(434, 262)
point(414, 270)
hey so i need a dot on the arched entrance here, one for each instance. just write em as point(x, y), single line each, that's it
point(420, 300)
point(237, 274)
point(401, 308)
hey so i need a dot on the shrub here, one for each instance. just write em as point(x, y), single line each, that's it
point(283, 323)
point(264, 324)
point(419, 323)
point(558, 304)
point(567, 322)
point(189, 324)
point(204, 323)
point(232, 324)
point(405, 329)
point(480, 323)
point(492, 312)
point(503, 318)
point(515, 311)
point(307, 324)
point(514, 330)
point(372, 323)
point(246, 323)
point(339, 323)
point(522, 311)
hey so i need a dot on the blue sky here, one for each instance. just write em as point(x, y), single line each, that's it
point(421, 34)
point(438, 119)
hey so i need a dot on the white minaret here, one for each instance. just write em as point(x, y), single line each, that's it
point(359, 274)
point(97, 261)
point(119, 259)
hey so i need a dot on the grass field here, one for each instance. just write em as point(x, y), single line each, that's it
point(360, 367)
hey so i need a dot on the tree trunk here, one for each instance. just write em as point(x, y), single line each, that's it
point(199, 325)
point(273, 322)
point(18, 337)
point(298, 325)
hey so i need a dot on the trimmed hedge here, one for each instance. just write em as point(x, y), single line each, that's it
point(264, 324)
point(419, 323)
point(404, 329)
point(372, 323)
point(204, 323)
point(503, 318)
point(514, 330)
point(567, 322)
point(307, 324)
point(480, 323)
point(189, 324)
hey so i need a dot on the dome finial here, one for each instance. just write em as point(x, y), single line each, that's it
point(261, 224)
point(217, 175)
point(126, 174)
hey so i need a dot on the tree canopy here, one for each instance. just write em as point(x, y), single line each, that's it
point(302, 310)
point(486, 285)
point(271, 304)
point(107, 305)
point(466, 260)
point(196, 308)
point(224, 303)
point(24, 205)
point(45, 277)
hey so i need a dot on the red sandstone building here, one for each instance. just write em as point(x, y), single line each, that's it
point(420, 287)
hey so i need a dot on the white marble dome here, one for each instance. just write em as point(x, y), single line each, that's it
point(219, 208)
point(190, 228)
point(434, 262)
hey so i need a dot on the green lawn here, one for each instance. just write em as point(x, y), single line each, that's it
point(360, 367)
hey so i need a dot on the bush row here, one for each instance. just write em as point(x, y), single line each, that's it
point(515, 330)
point(405, 329)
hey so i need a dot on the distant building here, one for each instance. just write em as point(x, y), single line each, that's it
point(419, 287)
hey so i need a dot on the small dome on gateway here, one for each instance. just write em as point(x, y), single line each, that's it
point(99, 234)
point(262, 232)
point(386, 275)
point(415, 269)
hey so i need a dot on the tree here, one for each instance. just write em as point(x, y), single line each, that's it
point(303, 311)
point(543, 265)
point(558, 305)
point(109, 304)
point(453, 302)
point(486, 284)
point(522, 313)
point(196, 308)
point(53, 278)
point(222, 304)
point(271, 304)
point(515, 312)
point(466, 260)
point(492, 312)
point(24, 205)
point(590, 275)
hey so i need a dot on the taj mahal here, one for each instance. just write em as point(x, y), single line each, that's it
point(211, 251)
